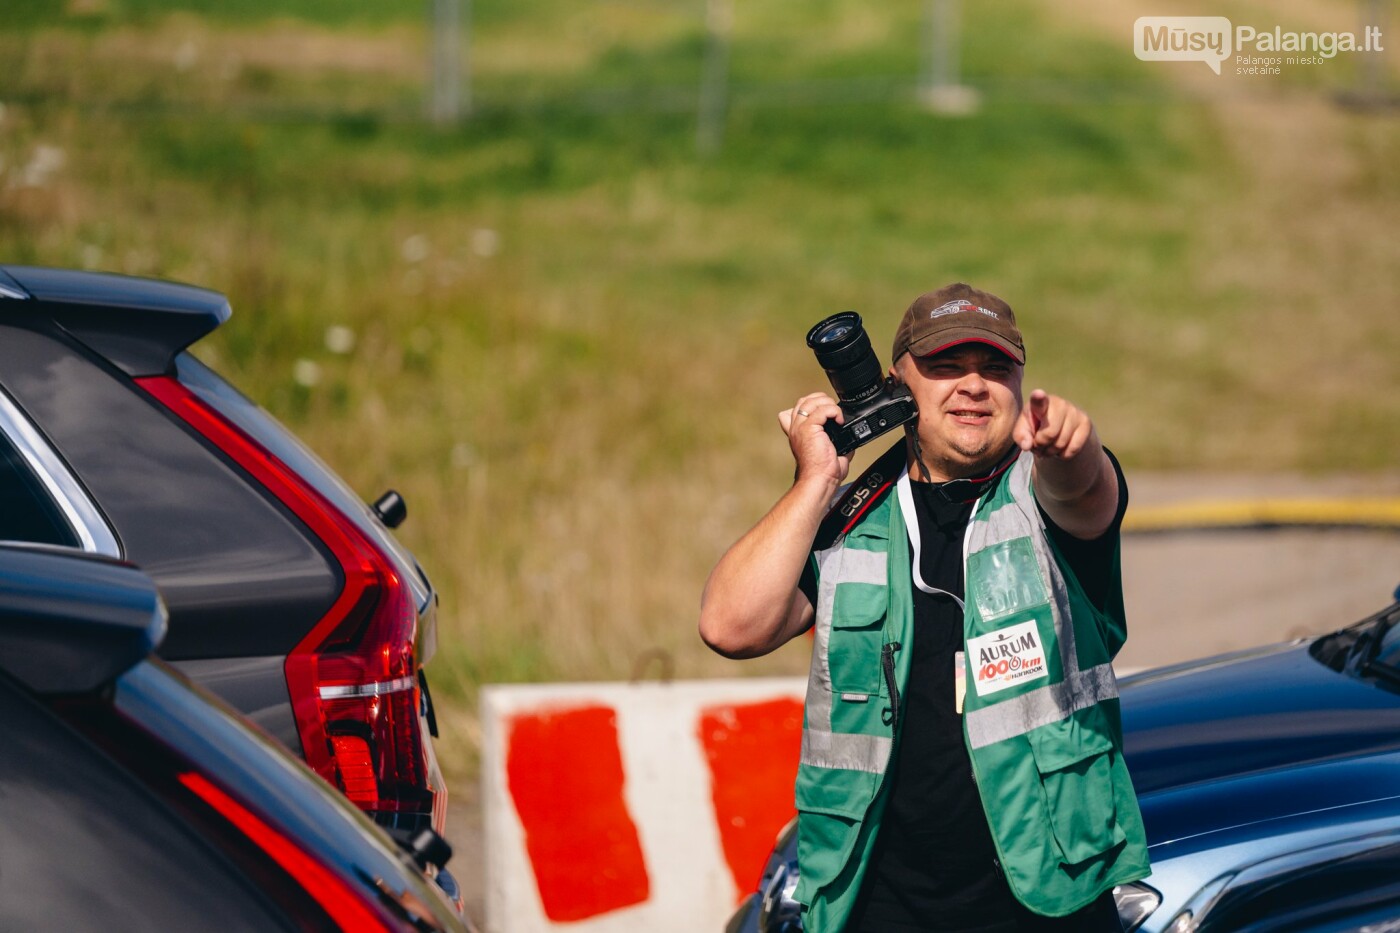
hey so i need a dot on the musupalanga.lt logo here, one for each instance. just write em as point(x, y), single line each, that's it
point(1214, 39)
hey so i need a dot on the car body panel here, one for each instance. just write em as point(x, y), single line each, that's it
point(71, 857)
point(1218, 720)
point(255, 686)
point(1187, 875)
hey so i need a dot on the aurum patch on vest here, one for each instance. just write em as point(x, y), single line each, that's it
point(1007, 657)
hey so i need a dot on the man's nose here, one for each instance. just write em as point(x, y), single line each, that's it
point(972, 384)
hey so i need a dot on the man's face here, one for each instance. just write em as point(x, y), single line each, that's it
point(969, 398)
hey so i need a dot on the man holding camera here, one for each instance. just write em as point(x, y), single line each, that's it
point(962, 752)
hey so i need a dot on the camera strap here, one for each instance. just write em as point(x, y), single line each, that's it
point(858, 497)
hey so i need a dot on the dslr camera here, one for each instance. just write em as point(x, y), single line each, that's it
point(871, 402)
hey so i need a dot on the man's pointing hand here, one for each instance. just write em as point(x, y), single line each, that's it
point(1051, 426)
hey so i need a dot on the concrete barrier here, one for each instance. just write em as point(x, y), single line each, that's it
point(611, 808)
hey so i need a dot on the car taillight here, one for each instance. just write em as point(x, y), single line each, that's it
point(352, 679)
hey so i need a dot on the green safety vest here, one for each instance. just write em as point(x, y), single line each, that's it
point(1041, 717)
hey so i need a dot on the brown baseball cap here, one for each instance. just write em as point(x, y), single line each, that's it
point(957, 314)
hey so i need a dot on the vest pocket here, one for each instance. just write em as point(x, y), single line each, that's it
point(831, 804)
point(824, 844)
point(857, 634)
point(1074, 758)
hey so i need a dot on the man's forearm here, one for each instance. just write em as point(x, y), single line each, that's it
point(1080, 495)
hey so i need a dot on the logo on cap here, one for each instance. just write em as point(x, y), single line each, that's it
point(961, 304)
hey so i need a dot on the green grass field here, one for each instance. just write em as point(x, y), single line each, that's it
point(572, 333)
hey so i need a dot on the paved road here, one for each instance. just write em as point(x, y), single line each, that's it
point(1194, 595)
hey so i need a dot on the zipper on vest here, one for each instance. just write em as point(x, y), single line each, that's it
point(887, 664)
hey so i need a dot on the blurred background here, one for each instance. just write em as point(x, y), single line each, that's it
point(546, 267)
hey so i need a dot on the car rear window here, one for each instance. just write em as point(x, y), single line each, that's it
point(217, 392)
point(27, 512)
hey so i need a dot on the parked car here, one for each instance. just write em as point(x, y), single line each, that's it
point(130, 800)
point(288, 596)
point(1269, 782)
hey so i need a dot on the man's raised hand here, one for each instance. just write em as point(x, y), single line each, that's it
point(811, 447)
point(1054, 427)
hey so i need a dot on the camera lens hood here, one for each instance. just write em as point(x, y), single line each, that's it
point(843, 349)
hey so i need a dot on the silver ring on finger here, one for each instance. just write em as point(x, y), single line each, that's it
point(802, 413)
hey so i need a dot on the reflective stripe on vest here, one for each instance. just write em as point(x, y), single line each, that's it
point(847, 751)
point(821, 747)
point(1018, 715)
point(1051, 703)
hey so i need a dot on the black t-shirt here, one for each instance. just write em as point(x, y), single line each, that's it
point(934, 866)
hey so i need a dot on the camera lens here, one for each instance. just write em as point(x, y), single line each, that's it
point(833, 333)
point(843, 349)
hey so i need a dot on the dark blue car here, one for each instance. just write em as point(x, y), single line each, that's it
point(1270, 787)
point(131, 800)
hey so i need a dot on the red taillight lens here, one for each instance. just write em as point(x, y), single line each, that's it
point(352, 679)
point(356, 766)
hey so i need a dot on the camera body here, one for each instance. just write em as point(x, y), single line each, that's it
point(871, 402)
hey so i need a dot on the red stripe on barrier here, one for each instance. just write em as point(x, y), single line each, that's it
point(564, 771)
point(752, 751)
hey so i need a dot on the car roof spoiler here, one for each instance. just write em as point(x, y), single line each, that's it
point(140, 325)
point(71, 622)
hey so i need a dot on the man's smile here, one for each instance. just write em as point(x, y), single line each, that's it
point(970, 416)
